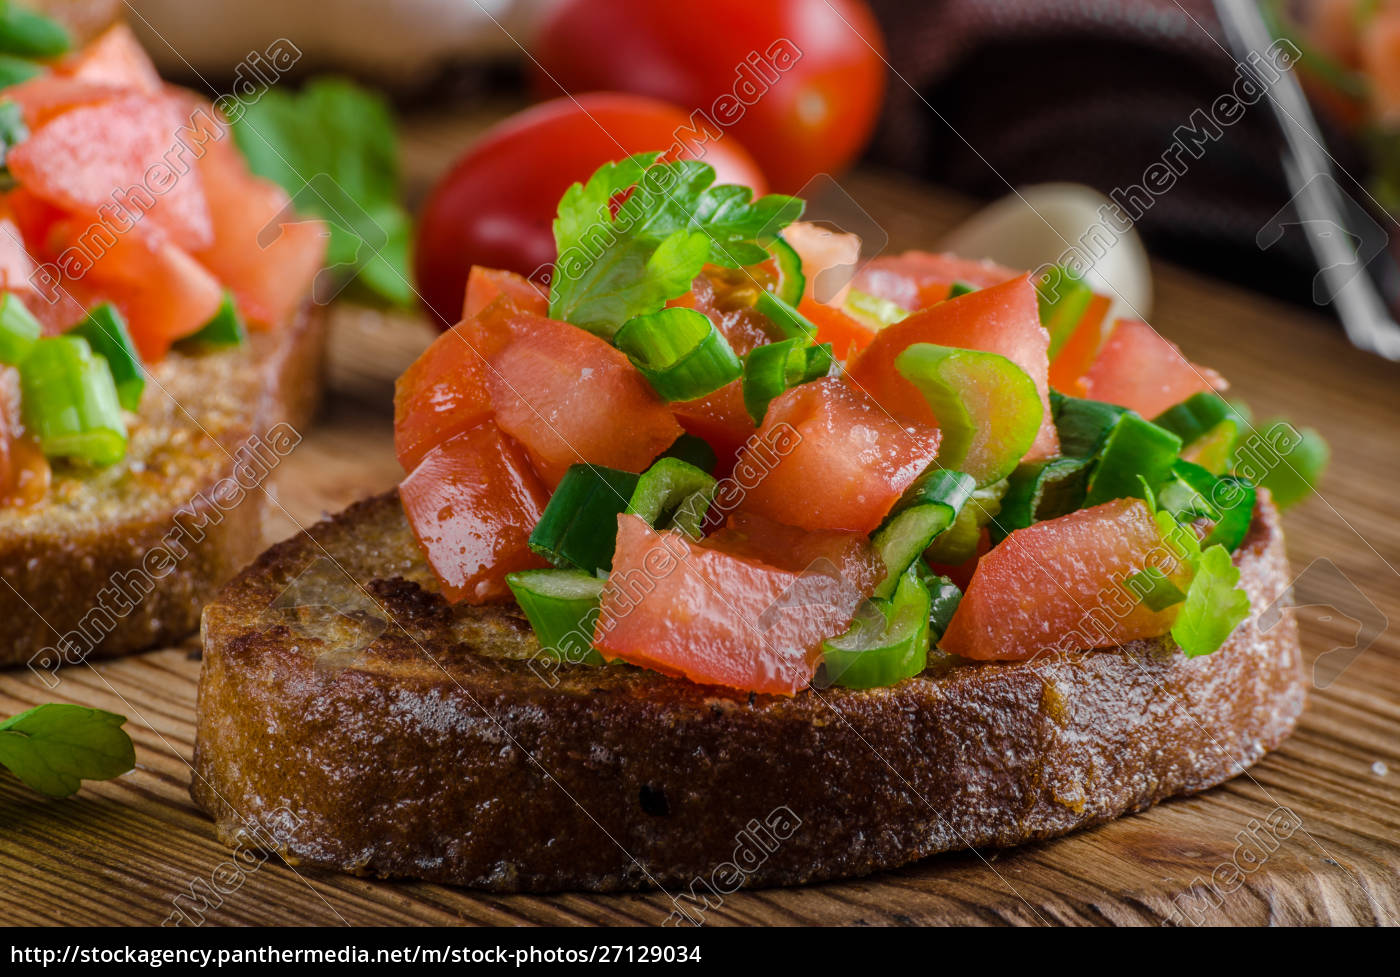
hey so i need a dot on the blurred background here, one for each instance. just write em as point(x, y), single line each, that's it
point(979, 96)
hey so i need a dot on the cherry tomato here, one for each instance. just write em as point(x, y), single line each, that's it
point(798, 81)
point(496, 206)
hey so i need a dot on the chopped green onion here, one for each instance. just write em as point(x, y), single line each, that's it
point(31, 35)
point(226, 328)
point(693, 450)
point(945, 599)
point(579, 525)
point(1289, 467)
point(791, 282)
point(105, 331)
point(18, 330)
point(960, 288)
point(15, 70)
point(929, 511)
point(1083, 425)
point(1136, 451)
point(69, 401)
point(13, 131)
point(1154, 588)
point(1196, 416)
point(1227, 500)
point(987, 407)
point(1063, 298)
point(886, 643)
point(874, 310)
point(791, 323)
point(959, 543)
point(672, 494)
point(773, 368)
point(1041, 490)
point(1209, 428)
point(680, 351)
point(562, 607)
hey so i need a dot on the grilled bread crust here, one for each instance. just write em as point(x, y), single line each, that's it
point(370, 727)
point(122, 559)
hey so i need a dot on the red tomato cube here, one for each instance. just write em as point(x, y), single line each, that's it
point(828, 457)
point(1003, 319)
point(568, 396)
point(472, 502)
point(440, 396)
point(1058, 586)
point(1137, 368)
point(716, 618)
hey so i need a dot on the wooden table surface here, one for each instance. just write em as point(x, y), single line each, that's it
point(120, 852)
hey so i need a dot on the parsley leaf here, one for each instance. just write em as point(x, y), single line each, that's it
point(1214, 605)
point(333, 148)
point(623, 259)
point(53, 747)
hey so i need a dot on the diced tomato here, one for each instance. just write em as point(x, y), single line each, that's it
point(721, 420)
point(715, 618)
point(1077, 354)
point(829, 259)
point(267, 256)
point(55, 308)
point(917, 279)
point(961, 573)
point(848, 556)
point(42, 98)
point(485, 285)
point(1139, 369)
point(16, 267)
point(185, 298)
point(727, 298)
point(827, 457)
point(569, 396)
point(472, 502)
point(1002, 319)
point(116, 58)
point(124, 154)
point(1058, 586)
point(441, 395)
point(844, 333)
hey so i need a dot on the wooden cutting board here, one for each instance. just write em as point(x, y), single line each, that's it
point(121, 852)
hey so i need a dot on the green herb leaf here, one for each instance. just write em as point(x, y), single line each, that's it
point(613, 266)
point(54, 747)
point(1214, 606)
point(333, 148)
point(30, 34)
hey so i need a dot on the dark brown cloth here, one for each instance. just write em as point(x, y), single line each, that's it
point(990, 94)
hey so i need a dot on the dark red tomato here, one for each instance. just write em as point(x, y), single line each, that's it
point(495, 207)
point(472, 502)
point(798, 81)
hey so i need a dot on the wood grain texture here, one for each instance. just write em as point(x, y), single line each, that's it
point(119, 852)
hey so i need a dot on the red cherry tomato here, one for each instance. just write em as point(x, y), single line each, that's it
point(496, 206)
point(798, 81)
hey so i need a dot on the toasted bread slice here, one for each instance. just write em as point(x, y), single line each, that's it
point(120, 559)
point(382, 732)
